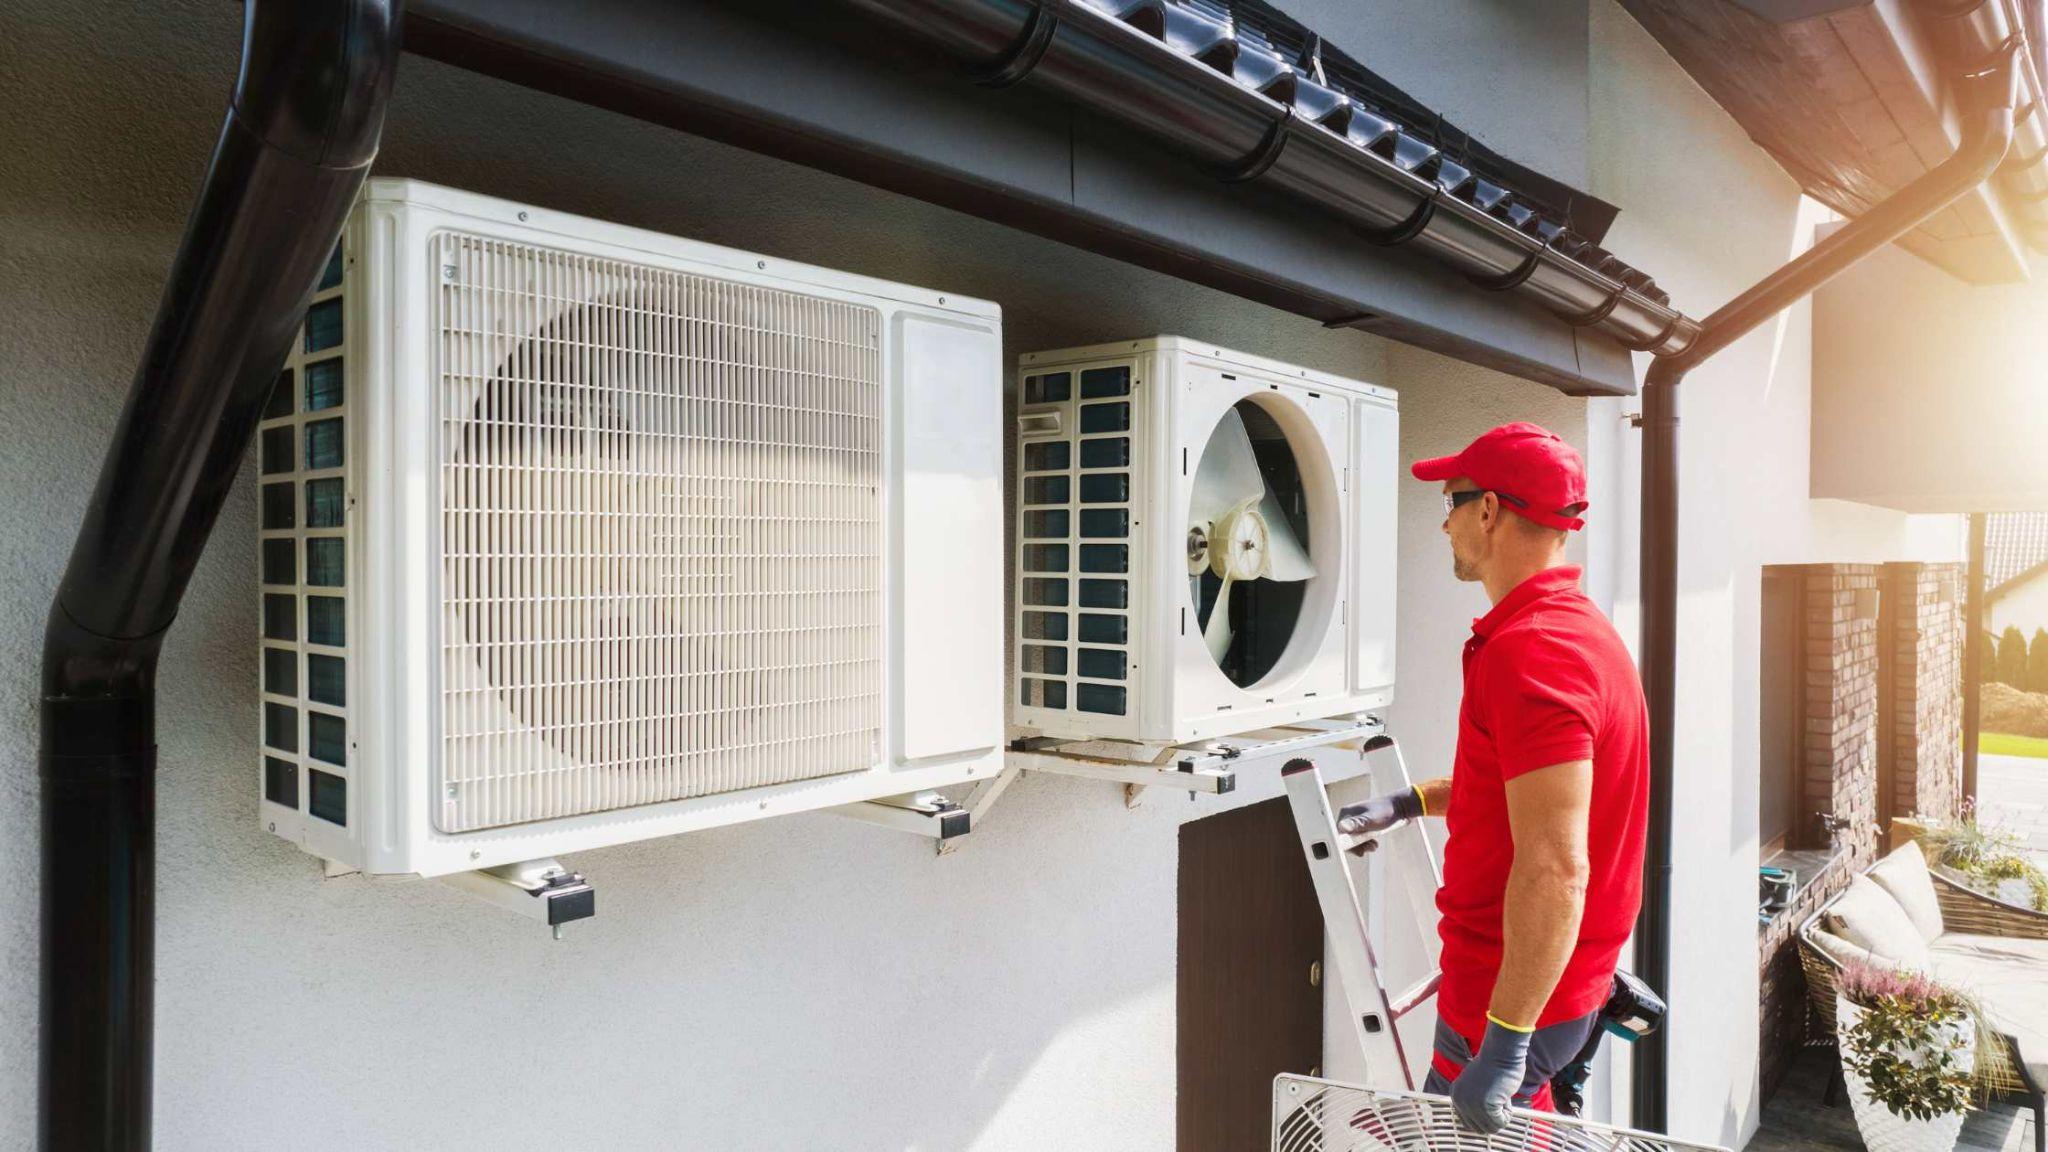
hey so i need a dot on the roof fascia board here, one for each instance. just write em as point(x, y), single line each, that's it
point(742, 77)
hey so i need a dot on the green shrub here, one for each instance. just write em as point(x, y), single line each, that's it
point(2012, 658)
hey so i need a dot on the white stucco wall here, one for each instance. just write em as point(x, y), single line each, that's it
point(806, 982)
point(1710, 214)
point(809, 982)
point(1928, 389)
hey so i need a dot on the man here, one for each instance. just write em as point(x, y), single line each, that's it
point(1545, 806)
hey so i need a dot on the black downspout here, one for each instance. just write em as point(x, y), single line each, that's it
point(307, 111)
point(1986, 94)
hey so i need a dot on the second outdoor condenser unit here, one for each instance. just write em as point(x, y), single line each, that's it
point(1205, 543)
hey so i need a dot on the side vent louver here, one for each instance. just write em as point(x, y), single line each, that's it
point(1074, 542)
point(302, 455)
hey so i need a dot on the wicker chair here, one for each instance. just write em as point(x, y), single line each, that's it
point(2000, 1072)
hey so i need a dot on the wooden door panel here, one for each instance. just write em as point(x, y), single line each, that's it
point(1248, 998)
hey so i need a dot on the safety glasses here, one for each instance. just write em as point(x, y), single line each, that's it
point(1454, 500)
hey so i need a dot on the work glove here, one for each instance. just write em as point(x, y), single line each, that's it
point(1379, 813)
point(1485, 1090)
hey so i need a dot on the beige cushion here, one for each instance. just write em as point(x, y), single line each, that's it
point(1903, 874)
point(1865, 915)
point(1837, 949)
point(2016, 949)
point(2009, 978)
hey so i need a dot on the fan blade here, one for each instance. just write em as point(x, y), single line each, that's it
point(1286, 559)
point(1228, 476)
point(1217, 633)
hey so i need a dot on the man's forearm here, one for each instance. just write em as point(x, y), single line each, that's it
point(1545, 899)
point(1435, 795)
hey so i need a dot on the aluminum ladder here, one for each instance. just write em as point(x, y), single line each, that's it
point(1410, 867)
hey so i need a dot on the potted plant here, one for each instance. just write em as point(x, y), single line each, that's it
point(1908, 1048)
point(1988, 860)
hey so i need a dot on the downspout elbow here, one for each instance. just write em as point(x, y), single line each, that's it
point(302, 127)
point(315, 78)
point(1989, 96)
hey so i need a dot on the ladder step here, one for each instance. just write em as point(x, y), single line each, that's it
point(1417, 995)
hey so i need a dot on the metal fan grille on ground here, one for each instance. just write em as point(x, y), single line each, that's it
point(662, 535)
point(1311, 1115)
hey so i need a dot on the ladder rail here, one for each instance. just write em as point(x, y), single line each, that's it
point(1410, 863)
point(1375, 1011)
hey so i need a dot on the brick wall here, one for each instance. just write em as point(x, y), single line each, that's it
point(1837, 774)
point(1927, 749)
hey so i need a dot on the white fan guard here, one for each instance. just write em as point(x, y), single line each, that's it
point(1311, 1115)
point(662, 535)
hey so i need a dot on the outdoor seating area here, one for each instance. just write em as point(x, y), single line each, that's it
point(1901, 914)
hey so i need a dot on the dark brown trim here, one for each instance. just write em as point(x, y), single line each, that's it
point(1973, 656)
point(1888, 583)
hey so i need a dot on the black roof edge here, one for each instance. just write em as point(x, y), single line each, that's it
point(1584, 213)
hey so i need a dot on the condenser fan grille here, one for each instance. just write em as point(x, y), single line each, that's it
point(661, 530)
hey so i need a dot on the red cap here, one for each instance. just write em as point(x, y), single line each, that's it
point(1526, 461)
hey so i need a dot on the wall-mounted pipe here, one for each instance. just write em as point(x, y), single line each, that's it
point(1974, 29)
point(1986, 92)
point(307, 110)
point(1340, 159)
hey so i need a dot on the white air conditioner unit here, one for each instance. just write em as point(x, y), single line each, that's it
point(574, 534)
point(1205, 543)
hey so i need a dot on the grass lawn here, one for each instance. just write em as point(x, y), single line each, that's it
point(2001, 744)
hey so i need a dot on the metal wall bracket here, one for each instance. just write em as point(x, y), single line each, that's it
point(541, 889)
point(1210, 766)
point(919, 813)
point(980, 799)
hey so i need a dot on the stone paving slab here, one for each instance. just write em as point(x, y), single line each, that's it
point(2012, 796)
point(1796, 1120)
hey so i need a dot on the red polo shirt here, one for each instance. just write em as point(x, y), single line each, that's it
point(1547, 681)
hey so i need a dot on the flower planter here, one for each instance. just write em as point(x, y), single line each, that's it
point(1882, 1129)
point(2015, 892)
